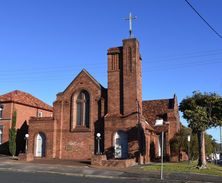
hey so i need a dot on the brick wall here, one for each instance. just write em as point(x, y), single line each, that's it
point(24, 112)
point(46, 127)
point(115, 80)
point(132, 86)
point(124, 90)
point(5, 122)
point(68, 140)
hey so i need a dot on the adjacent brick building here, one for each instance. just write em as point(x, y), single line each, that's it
point(86, 114)
point(26, 106)
point(166, 109)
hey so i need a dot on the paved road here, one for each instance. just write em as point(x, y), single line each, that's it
point(71, 172)
point(19, 177)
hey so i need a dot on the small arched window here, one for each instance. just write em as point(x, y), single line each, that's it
point(1, 134)
point(1, 111)
point(82, 109)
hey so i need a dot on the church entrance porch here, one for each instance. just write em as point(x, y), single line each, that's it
point(121, 145)
point(40, 143)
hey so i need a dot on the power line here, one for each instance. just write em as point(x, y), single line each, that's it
point(178, 58)
point(65, 76)
point(52, 72)
point(78, 66)
point(182, 66)
point(217, 33)
point(52, 68)
point(186, 55)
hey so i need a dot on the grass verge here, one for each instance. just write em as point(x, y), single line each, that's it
point(184, 167)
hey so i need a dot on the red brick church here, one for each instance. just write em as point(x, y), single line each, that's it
point(108, 126)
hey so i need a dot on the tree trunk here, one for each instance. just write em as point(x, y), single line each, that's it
point(201, 148)
point(179, 154)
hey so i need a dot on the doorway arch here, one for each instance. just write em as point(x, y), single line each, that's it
point(40, 145)
point(121, 145)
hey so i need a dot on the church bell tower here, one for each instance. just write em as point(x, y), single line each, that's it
point(121, 129)
point(124, 78)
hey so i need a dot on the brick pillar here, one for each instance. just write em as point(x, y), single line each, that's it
point(132, 83)
point(147, 148)
point(114, 78)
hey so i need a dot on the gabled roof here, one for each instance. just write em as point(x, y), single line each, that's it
point(25, 99)
point(89, 75)
point(152, 109)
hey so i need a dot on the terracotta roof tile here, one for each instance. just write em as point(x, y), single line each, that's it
point(153, 109)
point(24, 98)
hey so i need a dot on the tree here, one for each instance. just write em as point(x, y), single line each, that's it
point(193, 147)
point(12, 135)
point(179, 141)
point(202, 111)
point(210, 145)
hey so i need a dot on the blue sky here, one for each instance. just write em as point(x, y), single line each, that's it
point(44, 44)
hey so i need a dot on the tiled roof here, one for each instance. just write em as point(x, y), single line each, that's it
point(24, 98)
point(153, 109)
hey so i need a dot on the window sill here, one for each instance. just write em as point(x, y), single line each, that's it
point(81, 129)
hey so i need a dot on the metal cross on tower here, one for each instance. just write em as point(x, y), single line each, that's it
point(131, 18)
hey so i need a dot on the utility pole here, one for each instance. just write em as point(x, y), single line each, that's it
point(188, 145)
point(221, 139)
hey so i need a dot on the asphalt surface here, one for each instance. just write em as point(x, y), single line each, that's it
point(66, 171)
point(19, 177)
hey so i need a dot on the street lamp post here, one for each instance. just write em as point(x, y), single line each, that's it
point(188, 144)
point(161, 173)
point(26, 142)
point(159, 122)
point(98, 137)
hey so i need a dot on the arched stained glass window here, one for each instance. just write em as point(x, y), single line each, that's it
point(83, 109)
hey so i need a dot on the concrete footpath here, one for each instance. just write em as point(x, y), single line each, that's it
point(84, 169)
